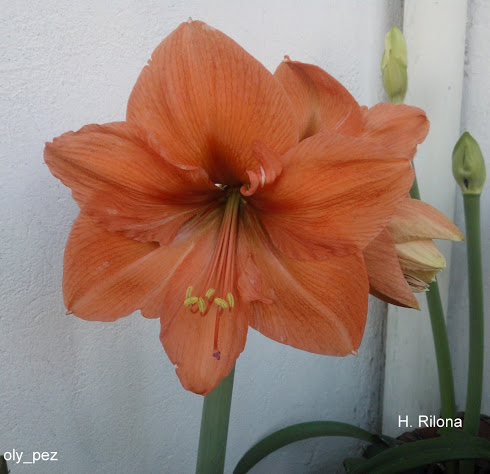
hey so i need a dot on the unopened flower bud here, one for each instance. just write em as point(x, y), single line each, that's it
point(468, 165)
point(394, 65)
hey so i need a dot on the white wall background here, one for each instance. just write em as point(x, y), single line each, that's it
point(476, 120)
point(104, 396)
point(448, 77)
point(434, 31)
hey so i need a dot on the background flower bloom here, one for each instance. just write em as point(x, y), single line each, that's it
point(204, 209)
point(402, 258)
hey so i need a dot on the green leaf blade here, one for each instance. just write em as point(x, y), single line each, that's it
point(421, 453)
point(298, 432)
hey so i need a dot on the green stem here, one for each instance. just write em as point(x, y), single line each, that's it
point(414, 190)
point(443, 357)
point(3, 466)
point(475, 291)
point(214, 428)
point(441, 344)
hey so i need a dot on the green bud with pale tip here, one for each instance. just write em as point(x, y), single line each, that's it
point(394, 66)
point(469, 165)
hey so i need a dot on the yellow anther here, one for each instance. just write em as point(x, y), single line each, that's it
point(221, 303)
point(201, 304)
point(188, 292)
point(191, 300)
point(231, 300)
point(210, 293)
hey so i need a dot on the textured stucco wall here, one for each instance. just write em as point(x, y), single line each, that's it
point(433, 30)
point(104, 396)
point(476, 120)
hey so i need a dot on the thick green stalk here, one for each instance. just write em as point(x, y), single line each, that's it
point(443, 357)
point(3, 466)
point(414, 190)
point(441, 344)
point(214, 428)
point(475, 291)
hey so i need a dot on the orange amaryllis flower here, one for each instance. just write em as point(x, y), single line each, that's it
point(203, 209)
point(403, 257)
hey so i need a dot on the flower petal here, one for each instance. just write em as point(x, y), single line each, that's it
point(203, 99)
point(419, 281)
point(124, 186)
point(270, 168)
point(108, 276)
point(188, 337)
point(420, 255)
point(398, 127)
point(188, 342)
point(414, 219)
point(420, 261)
point(321, 102)
point(386, 278)
point(335, 193)
point(317, 306)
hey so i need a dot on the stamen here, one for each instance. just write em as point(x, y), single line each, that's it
point(221, 303)
point(191, 300)
point(221, 277)
point(202, 305)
